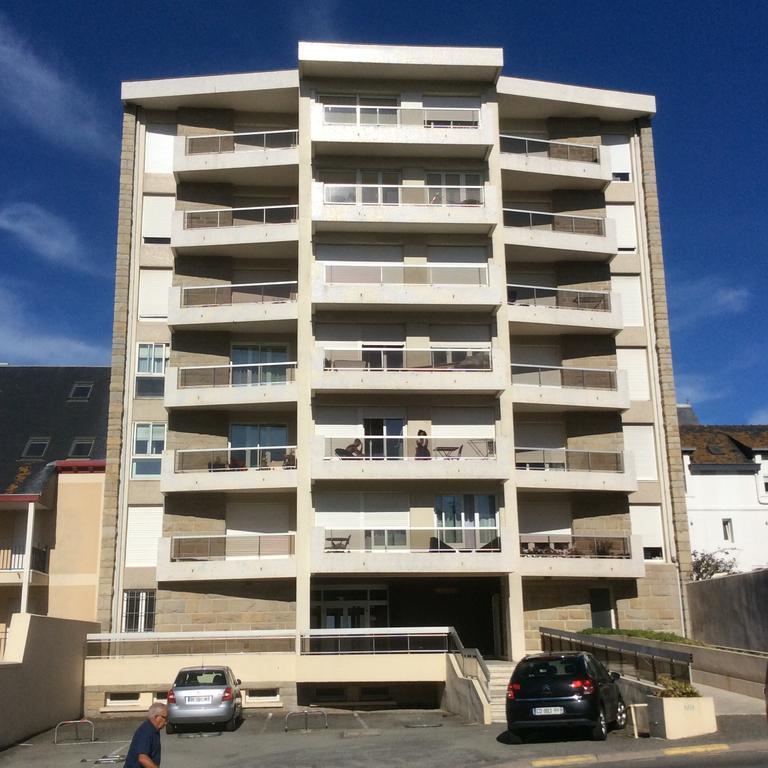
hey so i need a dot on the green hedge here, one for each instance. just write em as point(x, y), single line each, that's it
point(647, 634)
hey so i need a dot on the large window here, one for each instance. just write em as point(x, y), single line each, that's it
point(468, 520)
point(150, 369)
point(138, 610)
point(148, 446)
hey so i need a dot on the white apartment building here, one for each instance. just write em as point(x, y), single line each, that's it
point(390, 357)
point(726, 480)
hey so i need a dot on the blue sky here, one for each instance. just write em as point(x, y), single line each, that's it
point(61, 64)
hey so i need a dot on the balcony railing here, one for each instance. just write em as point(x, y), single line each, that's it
point(243, 375)
point(545, 545)
point(214, 218)
point(409, 448)
point(365, 273)
point(400, 194)
point(558, 298)
point(556, 222)
point(393, 539)
point(260, 457)
point(407, 117)
point(427, 359)
point(556, 150)
point(239, 293)
point(568, 460)
point(378, 640)
point(12, 557)
point(193, 548)
point(568, 378)
point(241, 142)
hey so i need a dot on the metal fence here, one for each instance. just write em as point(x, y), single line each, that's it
point(557, 222)
point(238, 142)
point(558, 298)
point(556, 150)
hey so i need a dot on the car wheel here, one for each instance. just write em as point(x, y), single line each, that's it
point(621, 714)
point(600, 729)
point(170, 729)
point(231, 725)
point(512, 737)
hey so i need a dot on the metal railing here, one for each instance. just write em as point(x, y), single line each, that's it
point(428, 359)
point(377, 640)
point(567, 378)
point(225, 547)
point(568, 460)
point(215, 143)
point(558, 298)
point(11, 556)
point(214, 218)
point(39, 559)
point(553, 545)
point(409, 448)
point(3, 637)
point(629, 658)
point(392, 116)
point(241, 375)
point(239, 293)
point(472, 664)
point(260, 457)
point(116, 645)
point(365, 273)
point(556, 150)
point(403, 194)
point(417, 539)
point(557, 222)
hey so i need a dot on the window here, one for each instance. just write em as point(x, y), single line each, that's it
point(635, 363)
point(631, 297)
point(467, 521)
point(157, 212)
point(617, 146)
point(640, 444)
point(150, 370)
point(728, 530)
point(154, 285)
point(143, 530)
point(158, 149)
point(81, 390)
point(148, 446)
point(626, 227)
point(35, 447)
point(138, 610)
point(81, 448)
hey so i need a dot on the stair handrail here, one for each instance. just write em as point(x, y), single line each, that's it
point(472, 653)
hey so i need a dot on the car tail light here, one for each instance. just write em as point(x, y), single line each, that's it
point(585, 686)
point(511, 688)
point(227, 695)
point(171, 698)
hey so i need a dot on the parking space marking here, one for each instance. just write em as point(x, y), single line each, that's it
point(568, 760)
point(696, 750)
point(360, 720)
point(266, 723)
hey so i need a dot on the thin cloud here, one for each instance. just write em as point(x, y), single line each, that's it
point(708, 298)
point(316, 21)
point(760, 416)
point(46, 235)
point(698, 388)
point(49, 102)
point(21, 343)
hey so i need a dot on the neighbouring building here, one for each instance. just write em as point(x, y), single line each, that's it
point(391, 355)
point(53, 426)
point(726, 479)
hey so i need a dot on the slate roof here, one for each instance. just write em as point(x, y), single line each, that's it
point(36, 402)
point(724, 444)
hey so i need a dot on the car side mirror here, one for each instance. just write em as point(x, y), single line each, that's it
point(238, 681)
point(615, 676)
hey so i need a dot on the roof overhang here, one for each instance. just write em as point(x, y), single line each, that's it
point(18, 500)
point(248, 92)
point(80, 465)
point(534, 99)
point(400, 62)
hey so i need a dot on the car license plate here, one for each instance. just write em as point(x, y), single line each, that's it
point(198, 699)
point(547, 711)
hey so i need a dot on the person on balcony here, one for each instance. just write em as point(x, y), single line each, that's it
point(422, 446)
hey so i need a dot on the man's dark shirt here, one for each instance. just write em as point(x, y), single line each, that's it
point(146, 741)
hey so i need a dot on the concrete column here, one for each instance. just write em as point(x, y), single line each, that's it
point(28, 556)
point(514, 616)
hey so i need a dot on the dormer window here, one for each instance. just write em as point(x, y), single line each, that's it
point(35, 447)
point(81, 390)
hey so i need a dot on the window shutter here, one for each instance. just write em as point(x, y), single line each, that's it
point(154, 285)
point(145, 527)
point(457, 254)
point(333, 252)
point(158, 148)
point(156, 215)
point(635, 363)
point(638, 440)
point(617, 147)
point(381, 510)
point(626, 228)
point(631, 297)
point(646, 523)
point(338, 510)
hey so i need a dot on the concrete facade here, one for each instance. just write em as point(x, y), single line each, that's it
point(447, 266)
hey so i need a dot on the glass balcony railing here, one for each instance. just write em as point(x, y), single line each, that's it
point(217, 143)
point(214, 218)
point(361, 273)
point(409, 448)
point(568, 460)
point(404, 117)
point(12, 557)
point(407, 359)
point(261, 457)
point(242, 375)
point(567, 378)
point(420, 539)
point(239, 293)
point(556, 150)
point(556, 222)
point(194, 548)
point(402, 194)
point(558, 298)
point(547, 545)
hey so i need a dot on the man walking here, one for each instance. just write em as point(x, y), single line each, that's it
point(144, 751)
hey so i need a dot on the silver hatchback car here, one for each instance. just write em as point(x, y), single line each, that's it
point(203, 696)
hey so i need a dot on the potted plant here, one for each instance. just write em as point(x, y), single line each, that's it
point(678, 710)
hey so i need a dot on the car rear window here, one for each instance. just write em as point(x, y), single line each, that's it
point(549, 668)
point(195, 678)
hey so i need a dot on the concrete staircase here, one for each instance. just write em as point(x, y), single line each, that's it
point(500, 671)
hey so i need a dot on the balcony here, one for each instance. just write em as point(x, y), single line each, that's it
point(541, 310)
point(271, 229)
point(544, 236)
point(372, 286)
point(402, 208)
point(406, 457)
point(542, 165)
point(545, 387)
point(340, 129)
point(244, 158)
point(229, 469)
point(227, 558)
point(581, 556)
point(12, 564)
point(388, 369)
point(230, 386)
point(411, 550)
point(268, 307)
point(565, 469)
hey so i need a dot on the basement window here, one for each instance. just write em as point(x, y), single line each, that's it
point(122, 699)
point(263, 696)
point(728, 529)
